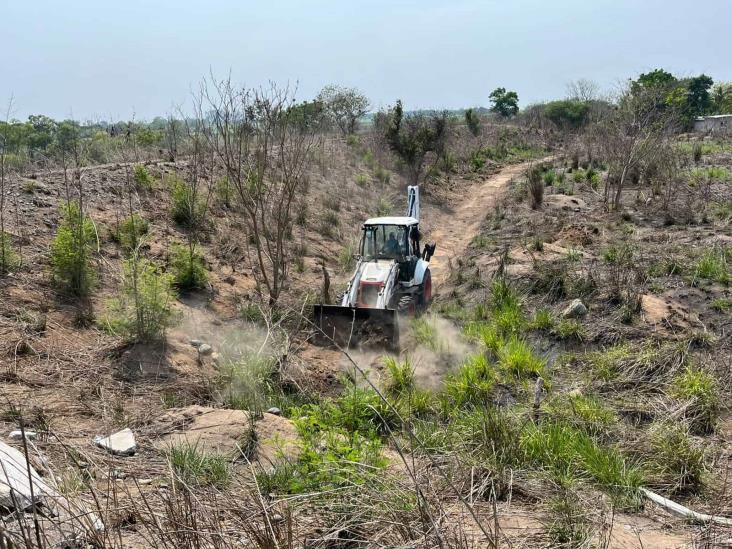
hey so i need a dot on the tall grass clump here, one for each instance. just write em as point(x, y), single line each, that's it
point(71, 252)
point(536, 187)
point(193, 466)
point(130, 232)
point(472, 384)
point(677, 464)
point(700, 389)
point(144, 310)
point(400, 376)
point(713, 265)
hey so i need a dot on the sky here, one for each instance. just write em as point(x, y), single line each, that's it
point(110, 60)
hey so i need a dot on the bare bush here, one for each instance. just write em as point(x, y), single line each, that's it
point(265, 155)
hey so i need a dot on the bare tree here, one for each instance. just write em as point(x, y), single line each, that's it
point(344, 106)
point(266, 156)
point(633, 135)
point(583, 90)
point(4, 244)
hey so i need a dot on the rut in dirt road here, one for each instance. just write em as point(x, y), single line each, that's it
point(454, 230)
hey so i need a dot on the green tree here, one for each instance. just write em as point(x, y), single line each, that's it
point(472, 120)
point(721, 96)
point(504, 103)
point(143, 311)
point(413, 136)
point(568, 113)
point(699, 100)
point(345, 106)
point(71, 251)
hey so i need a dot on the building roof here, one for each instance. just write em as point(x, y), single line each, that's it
point(391, 221)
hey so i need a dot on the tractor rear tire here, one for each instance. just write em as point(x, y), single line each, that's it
point(425, 291)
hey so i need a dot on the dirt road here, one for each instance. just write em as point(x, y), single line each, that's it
point(454, 228)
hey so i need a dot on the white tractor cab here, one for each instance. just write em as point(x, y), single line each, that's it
point(392, 275)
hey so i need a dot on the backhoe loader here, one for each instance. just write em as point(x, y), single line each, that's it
point(392, 277)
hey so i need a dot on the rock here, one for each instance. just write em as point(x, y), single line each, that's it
point(575, 309)
point(18, 435)
point(121, 443)
point(274, 411)
point(196, 343)
point(205, 349)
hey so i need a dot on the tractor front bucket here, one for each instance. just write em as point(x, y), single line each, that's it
point(353, 326)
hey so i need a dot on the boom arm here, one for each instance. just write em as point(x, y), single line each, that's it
point(413, 201)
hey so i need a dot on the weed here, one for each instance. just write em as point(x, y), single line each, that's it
point(722, 304)
point(568, 328)
point(569, 526)
point(382, 175)
point(593, 416)
point(517, 358)
point(347, 256)
point(550, 177)
point(713, 265)
point(400, 376)
point(352, 140)
point(700, 389)
point(301, 217)
point(676, 464)
point(573, 255)
point(543, 320)
point(192, 465)
point(472, 384)
point(224, 191)
point(362, 180)
point(425, 332)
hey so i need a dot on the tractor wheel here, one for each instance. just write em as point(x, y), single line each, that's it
point(425, 292)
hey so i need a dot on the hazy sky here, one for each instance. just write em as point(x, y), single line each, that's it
point(107, 59)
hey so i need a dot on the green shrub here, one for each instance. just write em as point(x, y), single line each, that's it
point(550, 177)
point(8, 258)
point(71, 252)
point(130, 232)
point(352, 140)
point(578, 176)
point(187, 265)
point(700, 388)
point(143, 312)
point(187, 208)
point(593, 416)
point(195, 467)
point(143, 179)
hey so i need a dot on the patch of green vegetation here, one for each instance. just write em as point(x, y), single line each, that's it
point(712, 174)
point(425, 332)
point(713, 265)
point(382, 175)
point(569, 329)
point(482, 242)
point(543, 320)
point(362, 180)
point(606, 364)
point(566, 453)
point(71, 252)
point(187, 207)
point(130, 232)
point(194, 466)
point(143, 179)
point(347, 256)
point(384, 207)
point(701, 390)
point(593, 416)
point(722, 304)
point(570, 526)
point(224, 192)
point(9, 260)
point(472, 383)
point(676, 463)
point(400, 376)
point(188, 267)
point(144, 311)
point(518, 359)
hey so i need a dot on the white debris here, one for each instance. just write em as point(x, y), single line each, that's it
point(18, 435)
point(121, 443)
point(274, 411)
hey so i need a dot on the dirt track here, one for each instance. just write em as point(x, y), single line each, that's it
point(454, 228)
